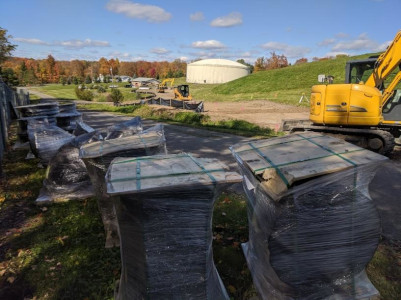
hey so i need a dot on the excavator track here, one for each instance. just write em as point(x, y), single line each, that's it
point(377, 140)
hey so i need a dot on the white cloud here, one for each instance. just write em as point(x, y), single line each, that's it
point(288, 50)
point(326, 42)
point(210, 44)
point(70, 44)
point(160, 51)
point(383, 47)
point(79, 44)
point(362, 42)
point(342, 35)
point(184, 58)
point(31, 41)
point(150, 13)
point(198, 16)
point(246, 54)
point(230, 20)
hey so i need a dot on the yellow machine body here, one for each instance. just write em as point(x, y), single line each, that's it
point(346, 105)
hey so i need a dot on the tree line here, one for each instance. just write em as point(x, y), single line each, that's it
point(26, 71)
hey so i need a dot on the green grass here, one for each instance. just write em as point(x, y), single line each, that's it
point(192, 119)
point(56, 252)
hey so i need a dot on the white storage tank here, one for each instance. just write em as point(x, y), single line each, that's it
point(215, 71)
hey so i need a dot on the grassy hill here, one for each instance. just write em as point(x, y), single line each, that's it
point(282, 85)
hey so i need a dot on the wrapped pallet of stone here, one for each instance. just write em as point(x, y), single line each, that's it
point(98, 156)
point(164, 208)
point(68, 121)
point(82, 128)
point(35, 112)
point(68, 117)
point(123, 129)
point(66, 174)
point(45, 140)
point(67, 107)
point(50, 110)
point(312, 224)
point(23, 126)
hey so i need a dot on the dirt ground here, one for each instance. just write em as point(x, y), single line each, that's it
point(261, 112)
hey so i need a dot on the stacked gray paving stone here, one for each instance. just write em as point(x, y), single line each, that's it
point(66, 175)
point(164, 207)
point(68, 117)
point(35, 112)
point(98, 156)
point(313, 239)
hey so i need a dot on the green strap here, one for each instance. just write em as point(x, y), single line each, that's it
point(138, 175)
point(307, 159)
point(203, 168)
point(272, 164)
point(147, 158)
point(329, 150)
point(281, 143)
point(167, 175)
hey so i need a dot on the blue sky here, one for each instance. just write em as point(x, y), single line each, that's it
point(166, 30)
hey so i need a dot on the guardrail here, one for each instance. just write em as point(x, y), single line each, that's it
point(9, 99)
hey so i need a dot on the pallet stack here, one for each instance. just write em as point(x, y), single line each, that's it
point(164, 208)
point(312, 225)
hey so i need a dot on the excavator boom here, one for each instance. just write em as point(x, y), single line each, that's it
point(386, 63)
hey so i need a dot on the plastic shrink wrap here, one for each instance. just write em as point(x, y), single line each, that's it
point(82, 128)
point(97, 158)
point(164, 208)
point(312, 224)
point(66, 174)
point(67, 107)
point(23, 126)
point(68, 121)
point(45, 140)
point(123, 129)
point(36, 110)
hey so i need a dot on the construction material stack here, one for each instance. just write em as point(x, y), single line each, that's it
point(164, 208)
point(35, 112)
point(68, 117)
point(98, 156)
point(312, 224)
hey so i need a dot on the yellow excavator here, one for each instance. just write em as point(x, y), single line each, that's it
point(366, 109)
point(181, 92)
point(164, 85)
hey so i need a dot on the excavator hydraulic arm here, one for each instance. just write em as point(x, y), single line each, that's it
point(386, 63)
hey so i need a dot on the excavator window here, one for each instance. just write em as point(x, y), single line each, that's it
point(361, 72)
point(184, 90)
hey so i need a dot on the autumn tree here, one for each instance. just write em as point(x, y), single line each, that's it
point(301, 61)
point(259, 64)
point(104, 67)
point(5, 46)
point(78, 69)
point(50, 65)
point(114, 64)
point(276, 61)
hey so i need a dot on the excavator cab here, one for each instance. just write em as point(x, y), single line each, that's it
point(181, 92)
point(359, 70)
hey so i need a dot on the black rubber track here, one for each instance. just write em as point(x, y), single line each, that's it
point(386, 137)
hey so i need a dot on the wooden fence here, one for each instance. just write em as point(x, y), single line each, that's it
point(9, 99)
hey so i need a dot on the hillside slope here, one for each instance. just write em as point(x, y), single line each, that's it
point(281, 85)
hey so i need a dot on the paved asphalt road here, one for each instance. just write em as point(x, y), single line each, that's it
point(385, 188)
